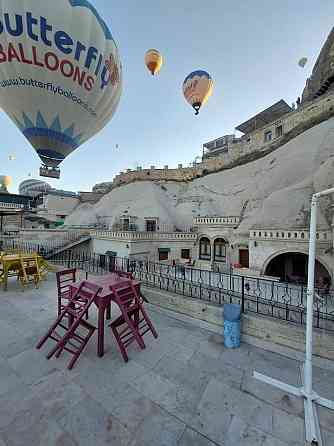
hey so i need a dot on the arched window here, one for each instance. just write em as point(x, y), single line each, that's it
point(220, 250)
point(204, 249)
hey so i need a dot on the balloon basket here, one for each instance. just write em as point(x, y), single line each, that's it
point(50, 172)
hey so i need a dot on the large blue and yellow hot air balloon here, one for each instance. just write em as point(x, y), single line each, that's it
point(60, 74)
point(197, 88)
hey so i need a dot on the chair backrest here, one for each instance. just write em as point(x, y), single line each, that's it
point(64, 280)
point(125, 274)
point(29, 266)
point(125, 294)
point(84, 296)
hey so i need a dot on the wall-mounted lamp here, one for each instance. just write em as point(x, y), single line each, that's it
point(127, 246)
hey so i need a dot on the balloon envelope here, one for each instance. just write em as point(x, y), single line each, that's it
point(60, 73)
point(302, 62)
point(5, 181)
point(153, 61)
point(197, 88)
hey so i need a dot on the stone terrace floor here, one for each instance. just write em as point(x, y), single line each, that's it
point(185, 389)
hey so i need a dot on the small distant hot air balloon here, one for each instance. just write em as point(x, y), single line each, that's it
point(153, 61)
point(302, 62)
point(197, 88)
point(5, 182)
point(116, 146)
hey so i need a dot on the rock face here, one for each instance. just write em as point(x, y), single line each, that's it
point(322, 78)
point(272, 192)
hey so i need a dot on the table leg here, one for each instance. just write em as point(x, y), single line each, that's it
point(108, 316)
point(100, 335)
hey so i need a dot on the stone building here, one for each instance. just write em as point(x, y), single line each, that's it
point(248, 201)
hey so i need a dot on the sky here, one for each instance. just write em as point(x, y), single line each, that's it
point(250, 48)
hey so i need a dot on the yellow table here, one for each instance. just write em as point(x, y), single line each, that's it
point(10, 266)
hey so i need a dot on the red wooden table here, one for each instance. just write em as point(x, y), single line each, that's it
point(103, 301)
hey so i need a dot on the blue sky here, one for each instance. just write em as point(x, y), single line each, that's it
point(250, 48)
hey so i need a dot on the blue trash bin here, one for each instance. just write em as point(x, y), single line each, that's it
point(232, 315)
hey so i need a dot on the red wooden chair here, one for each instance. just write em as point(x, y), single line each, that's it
point(133, 322)
point(69, 338)
point(64, 280)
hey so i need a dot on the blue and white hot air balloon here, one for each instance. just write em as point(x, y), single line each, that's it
point(197, 88)
point(60, 74)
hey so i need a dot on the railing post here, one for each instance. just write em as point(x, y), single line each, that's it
point(242, 294)
point(69, 259)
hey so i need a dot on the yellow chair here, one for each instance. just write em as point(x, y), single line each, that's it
point(29, 270)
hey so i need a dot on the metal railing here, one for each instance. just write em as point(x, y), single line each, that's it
point(280, 300)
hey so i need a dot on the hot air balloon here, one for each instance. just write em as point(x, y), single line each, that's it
point(153, 61)
point(5, 182)
point(197, 88)
point(302, 62)
point(60, 74)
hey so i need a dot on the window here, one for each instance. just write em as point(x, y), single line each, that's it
point(279, 131)
point(163, 253)
point(268, 136)
point(244, 258)
point(151, 225)
point(185, 253)
point(220, 250)
point(205, 249)
point(126, 224)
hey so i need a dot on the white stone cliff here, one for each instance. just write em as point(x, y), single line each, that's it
point(271, 192)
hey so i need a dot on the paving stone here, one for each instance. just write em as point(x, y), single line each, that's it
point(127, 405)
point(326, 418)
point(88, 423)
point(327, 438)
point(42, 433)
point(220, 402)
point(275, 366)
point(192, 438)
point(272, 395)
point(212, 346)
point(243, 434)
point(287, 428)
point(8, 378)
point(31, 365)
point(237, 357)
point(159, 429)
point(184, 373)
point(273, 441)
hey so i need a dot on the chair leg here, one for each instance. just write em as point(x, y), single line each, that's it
point(76, 356)
point(135, 333)
point(120, 344)
point(149, 323)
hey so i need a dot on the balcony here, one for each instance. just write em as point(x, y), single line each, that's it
point(133, 236)
point(221, 221)
point(292, 236)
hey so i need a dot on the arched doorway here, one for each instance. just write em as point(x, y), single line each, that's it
point(219, 250)
point(292, 267)
point(204, 248)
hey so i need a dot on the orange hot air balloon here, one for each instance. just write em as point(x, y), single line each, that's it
point(153, 61)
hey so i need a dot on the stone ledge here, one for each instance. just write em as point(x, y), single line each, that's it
point(266, 329)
